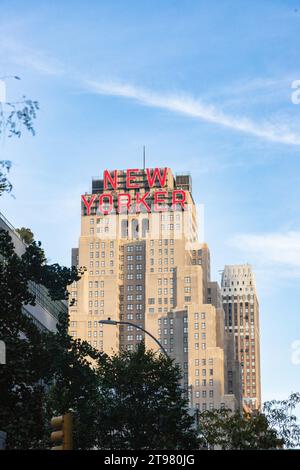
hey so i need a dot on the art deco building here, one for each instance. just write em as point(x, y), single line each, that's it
point(242, 328)
point(145, 265)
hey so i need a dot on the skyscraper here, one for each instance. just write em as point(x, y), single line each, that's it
point(145, 265)
point(242, 327)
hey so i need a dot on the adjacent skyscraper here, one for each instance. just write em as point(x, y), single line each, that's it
point(242, 328)
point(139, 242)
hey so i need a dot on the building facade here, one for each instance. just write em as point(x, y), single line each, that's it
point(45, 312)
point(241, 309)
point(145, 265)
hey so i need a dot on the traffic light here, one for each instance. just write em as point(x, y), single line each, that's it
point(62, 434)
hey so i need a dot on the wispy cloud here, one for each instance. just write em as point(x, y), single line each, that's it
point(183, 103)
point(30, 58)
point(272, 250)
point(192, 107)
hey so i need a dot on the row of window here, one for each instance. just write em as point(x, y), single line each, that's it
point(96, 284)
point(167, 321)
point(97, 245)
point(209, 406)
point(101, 273)
point(160, 251)
point(98, 264)
point(166, 241)
point(96, 254)
point(204, 394)
point(132, 307)
point(138, 276)
point(96, 312)
point(160, 270)
point(137, 257)
point(131, 248)
point(96, 293)
point(131, 316)
point(96, 303)
point(204, 383)
point(131, 267)
point(159, 261)
point(137, 297)
point(95, 334)
point(137, 337)
point(151, 300)
point(165, 281)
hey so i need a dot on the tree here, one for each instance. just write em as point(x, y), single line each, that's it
point(226, 430)
point(280, 417)
point(14, 117)
point(20, 378)
point(73, 383)
point(45, 372)
point(141, 404)
point(26, 234)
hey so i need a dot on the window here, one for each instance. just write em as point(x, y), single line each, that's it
point(145, 227)
point(124, 230)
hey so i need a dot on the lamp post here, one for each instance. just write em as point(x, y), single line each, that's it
point(116, 322)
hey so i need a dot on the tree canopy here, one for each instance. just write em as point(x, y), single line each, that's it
point(142, 405)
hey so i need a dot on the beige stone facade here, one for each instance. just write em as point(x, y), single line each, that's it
point(242, 328)
point(149, 269)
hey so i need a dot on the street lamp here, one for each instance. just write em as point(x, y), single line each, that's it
point(115, 322)
point(10, 76)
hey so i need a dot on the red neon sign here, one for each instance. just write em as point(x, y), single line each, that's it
point(137, 201)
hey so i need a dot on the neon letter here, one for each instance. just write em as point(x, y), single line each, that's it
point(158, 200)
point(156, 174)
point(130, 178)
point(175, 200)
point(122, 202)
point(141, 200)
point(89, 204)
point(107, 177)
point(110, 198)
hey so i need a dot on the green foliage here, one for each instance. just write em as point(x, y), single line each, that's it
point(226, 430)
point(35, 359)
point(279, 414)
point(14, 117)
point(5, 184)
point(142, 406)
point(26, 234)
point(73, 383)
point(18, 115)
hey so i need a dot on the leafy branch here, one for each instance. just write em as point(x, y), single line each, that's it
point(15, 116)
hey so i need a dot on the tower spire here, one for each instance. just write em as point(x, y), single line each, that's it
point(144, 156)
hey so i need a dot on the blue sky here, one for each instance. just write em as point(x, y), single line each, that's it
point(207, 88)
